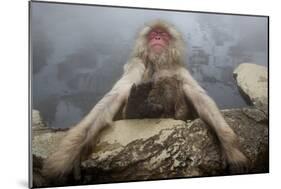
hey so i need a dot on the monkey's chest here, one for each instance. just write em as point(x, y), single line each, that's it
point(161, 99)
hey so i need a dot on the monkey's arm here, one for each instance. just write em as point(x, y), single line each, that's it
point(209, 113)
point(81, 138)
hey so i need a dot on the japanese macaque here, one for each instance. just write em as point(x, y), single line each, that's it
point(157, 67)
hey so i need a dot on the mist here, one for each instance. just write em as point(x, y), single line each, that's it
point(78, 53)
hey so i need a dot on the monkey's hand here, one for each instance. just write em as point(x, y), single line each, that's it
point(237, 162)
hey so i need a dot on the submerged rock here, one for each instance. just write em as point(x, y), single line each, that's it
point(252, 80)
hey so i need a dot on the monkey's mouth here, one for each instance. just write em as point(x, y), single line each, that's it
point(157, 44)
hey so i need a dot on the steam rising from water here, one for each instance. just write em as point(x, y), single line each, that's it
point(78, 53)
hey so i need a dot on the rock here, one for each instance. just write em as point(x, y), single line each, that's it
point(38, 125)
point(252, 81)
point(148, 149)
point(44, 141)
point(37, 121)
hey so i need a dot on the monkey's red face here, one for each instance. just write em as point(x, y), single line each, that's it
point(158, 40)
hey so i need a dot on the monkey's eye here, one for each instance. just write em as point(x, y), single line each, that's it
point(164, 34)
point(153, 34)
point(161, 33)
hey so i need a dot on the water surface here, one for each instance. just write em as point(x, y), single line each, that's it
point(78, 53)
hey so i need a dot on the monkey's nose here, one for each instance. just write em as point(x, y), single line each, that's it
point(157, 38)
